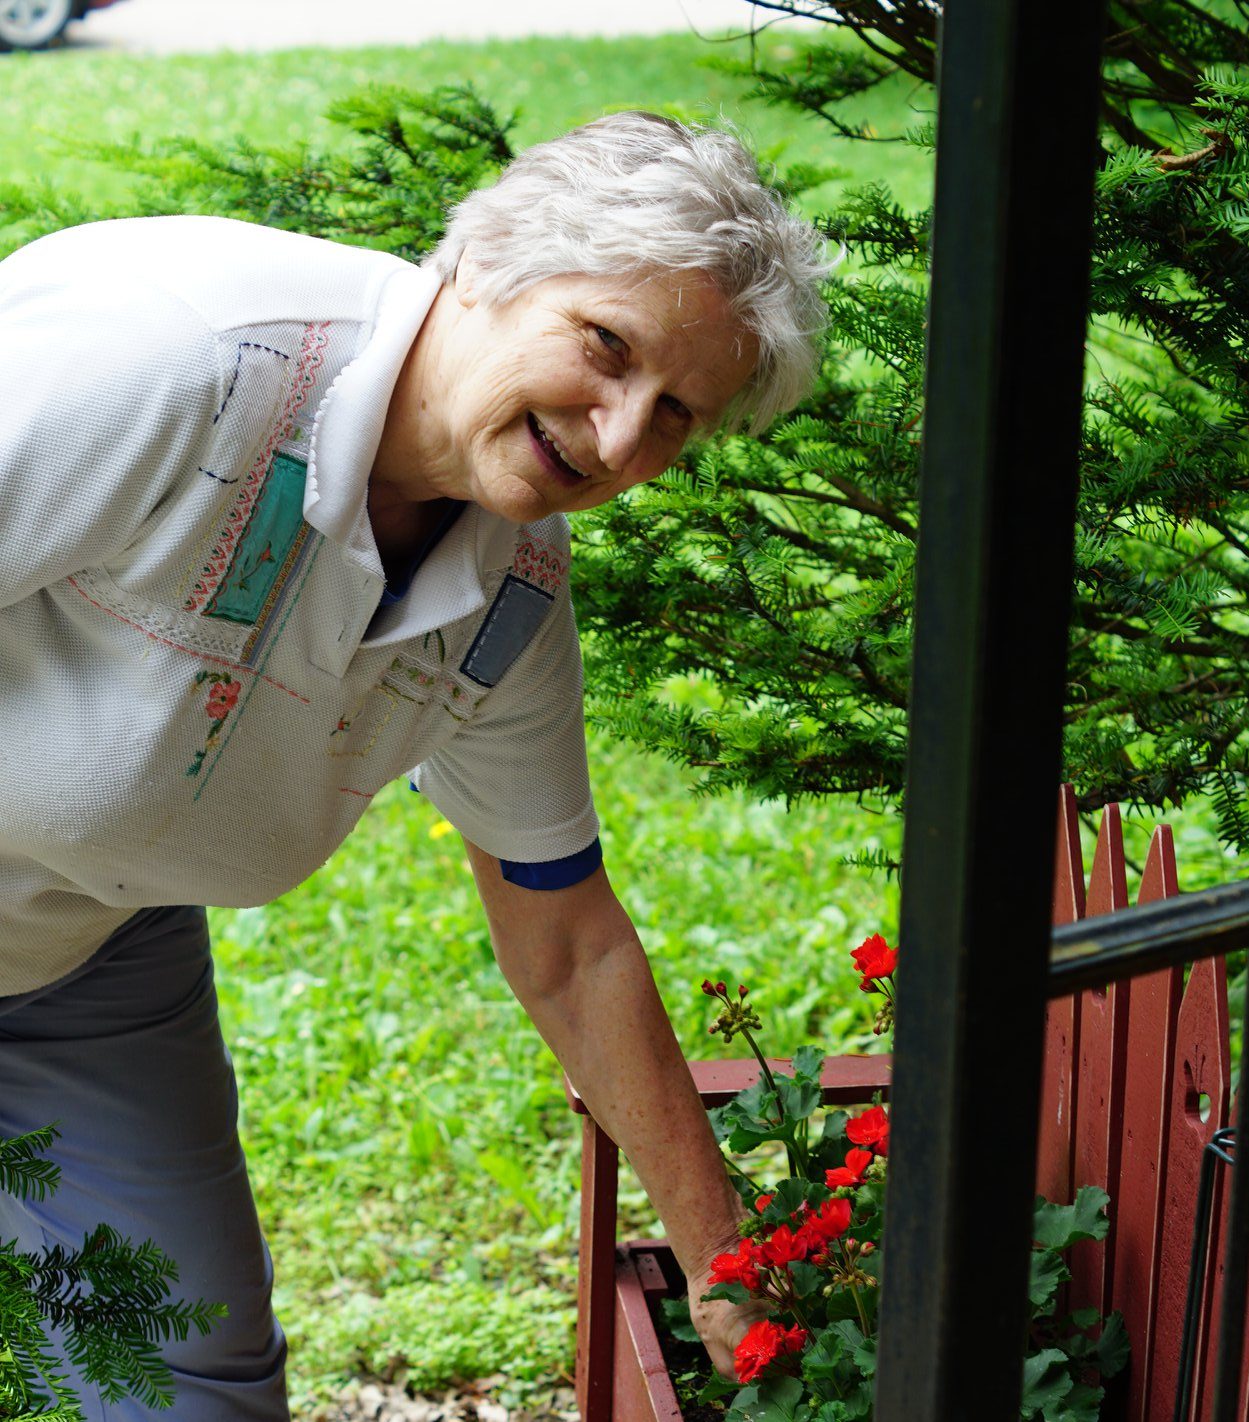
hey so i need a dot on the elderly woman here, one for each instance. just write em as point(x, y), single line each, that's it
point(281, 519)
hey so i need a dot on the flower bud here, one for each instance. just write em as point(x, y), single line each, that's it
point(721, 990)
point(742, 989)
point(708, 987)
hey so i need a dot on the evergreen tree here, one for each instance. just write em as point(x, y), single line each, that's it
point(108, 1302)
point(777, 572)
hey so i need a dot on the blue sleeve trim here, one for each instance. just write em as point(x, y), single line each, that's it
point(554, 873)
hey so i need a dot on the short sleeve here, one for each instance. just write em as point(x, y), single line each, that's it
point(106, 388)
point(515, 781)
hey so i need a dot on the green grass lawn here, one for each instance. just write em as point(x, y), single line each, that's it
point(413, 1156)
point(49, 104)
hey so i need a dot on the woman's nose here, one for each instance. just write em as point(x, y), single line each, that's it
point(620, 429)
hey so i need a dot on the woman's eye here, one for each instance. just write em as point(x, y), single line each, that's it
point(677, 409)
point(610, 339)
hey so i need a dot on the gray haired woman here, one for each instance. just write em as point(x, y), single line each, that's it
point(281, 520)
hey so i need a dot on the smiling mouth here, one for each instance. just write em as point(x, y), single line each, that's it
point(551, 456)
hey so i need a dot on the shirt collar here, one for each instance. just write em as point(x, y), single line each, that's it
point(348, 426)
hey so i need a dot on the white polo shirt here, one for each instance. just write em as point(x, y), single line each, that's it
point(197, 700)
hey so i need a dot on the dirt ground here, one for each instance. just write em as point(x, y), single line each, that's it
point(389, 1402)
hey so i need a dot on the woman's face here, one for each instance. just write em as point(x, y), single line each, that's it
point(579, 388)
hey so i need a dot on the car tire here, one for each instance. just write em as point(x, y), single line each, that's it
point(33, 24)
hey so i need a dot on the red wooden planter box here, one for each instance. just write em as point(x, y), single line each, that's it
point(621, 1374)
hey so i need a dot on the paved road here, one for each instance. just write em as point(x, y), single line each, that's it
point(191, 26)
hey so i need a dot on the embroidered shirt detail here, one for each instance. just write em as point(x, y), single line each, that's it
point(541, 564)
point(514, 617)
point(223, 696)
point(238, 363)
point(309, 360)
point(267, 549)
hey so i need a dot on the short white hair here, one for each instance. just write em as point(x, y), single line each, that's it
point(634, 192)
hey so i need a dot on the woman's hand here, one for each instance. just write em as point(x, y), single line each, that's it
point(721, 1324)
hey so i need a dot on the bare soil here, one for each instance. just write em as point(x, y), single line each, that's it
point(391, 1402)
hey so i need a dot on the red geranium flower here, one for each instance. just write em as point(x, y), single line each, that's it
point(851, 1173)
point(784, 1247)
point(763, 1202)
point(763, 1344)
point(874, 959)
point(221, 699)
point(870, 1129)
point(740, 1268)
point(829, 1222)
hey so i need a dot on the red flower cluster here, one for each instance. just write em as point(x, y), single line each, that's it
point(851, 1173)
point(806, 1235)
point(740, 1268)
point(763, 1344)
point(875, 960)
point(870, 1129)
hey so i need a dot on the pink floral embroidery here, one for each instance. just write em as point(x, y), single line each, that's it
point(540, 564)
point(222, 699)
point(223, 696)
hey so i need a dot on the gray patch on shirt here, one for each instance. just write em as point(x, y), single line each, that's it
point(510, 626)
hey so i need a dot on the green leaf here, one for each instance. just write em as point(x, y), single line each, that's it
point(755, 1106)
point(1061, 1226)
point(1086, 1318)
point(806, 1278)
point(823, 1358)
point(865, 1357)
point(790, 1195)
point(721, 1128)
point(1113, 1347)
point(799, 1099)
point(1082, 1404)
point(1047, 1272)
point(747, 1138)
point(834, 1132)
point(775, 1400)
point(735, 1293)
point(676, 1317)
point(808, 1062)
point(1046, 1380)
point(859, 1403)
point(717, 1387)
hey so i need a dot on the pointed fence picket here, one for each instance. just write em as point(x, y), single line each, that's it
point(1137, 1080)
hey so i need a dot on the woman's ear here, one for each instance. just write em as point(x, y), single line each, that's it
point(466, 281)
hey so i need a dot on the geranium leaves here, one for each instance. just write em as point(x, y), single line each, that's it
point(1061, 1226)
point(1047, 1272)
point(1046, 1381)
point(773, 1400)
point(761, 1113)
point(1056, 1375)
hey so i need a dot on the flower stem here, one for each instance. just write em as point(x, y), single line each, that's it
point(790, 1157)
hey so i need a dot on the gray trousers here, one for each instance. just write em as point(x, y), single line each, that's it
point(126, 1056)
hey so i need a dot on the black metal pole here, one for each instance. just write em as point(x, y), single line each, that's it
point(1210, 1158)
point(1093, 952)
point(1004, 378)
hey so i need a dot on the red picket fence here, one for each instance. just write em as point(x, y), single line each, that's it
point(1137, 1080)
